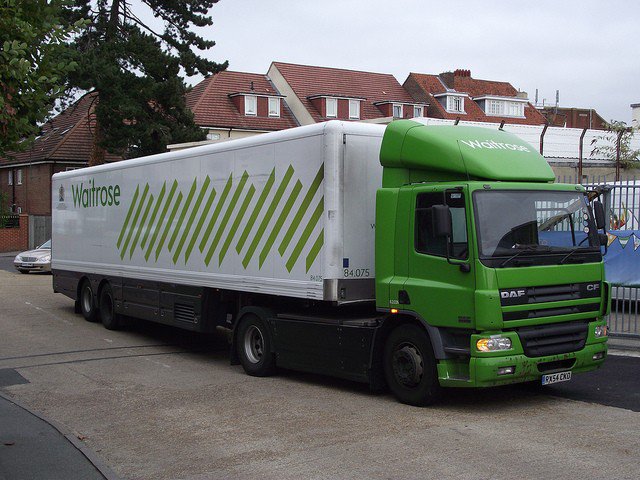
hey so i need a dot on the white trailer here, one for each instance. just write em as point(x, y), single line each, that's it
point(265, 214)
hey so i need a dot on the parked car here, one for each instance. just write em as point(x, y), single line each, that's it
point(38, 260)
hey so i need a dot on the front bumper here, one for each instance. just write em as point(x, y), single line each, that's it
point(32, 267)
point(482, 370)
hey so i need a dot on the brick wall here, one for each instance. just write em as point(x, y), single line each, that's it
point(15, 239)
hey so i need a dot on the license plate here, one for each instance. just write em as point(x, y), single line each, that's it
point(556, 378)
point(27, 265)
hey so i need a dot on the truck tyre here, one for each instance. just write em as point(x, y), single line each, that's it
point(108, 316)
point(410, 366)
point(253, 345)
point(88, 306)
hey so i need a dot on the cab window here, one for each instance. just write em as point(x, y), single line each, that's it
point(425, 239)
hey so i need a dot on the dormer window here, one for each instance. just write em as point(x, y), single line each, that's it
point(250, 105)
point(274, 107)
point(453, 102)
point(332, 107)
point(501, 106)
point(417, 111)
point(397, 110)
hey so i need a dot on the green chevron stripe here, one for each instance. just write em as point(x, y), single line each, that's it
point(313, 221)
point(142, 222)
point(256, 210)
point(163, 215)
point(153, 216)
point(126, 220)
point(194, 212)
point(203, 216)
point(269, 213)
point(183, 214)
point(315, 250)
point(135, 221)
point(225, 218)
point(303, 209)
point(278, 226)
point(236, 224)
point(216, 213)
point(174, 211)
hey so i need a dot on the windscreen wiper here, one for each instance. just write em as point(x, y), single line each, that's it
point(526, 249)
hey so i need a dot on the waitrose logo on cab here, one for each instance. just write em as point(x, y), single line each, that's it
point(491, 145)
point(95, 196)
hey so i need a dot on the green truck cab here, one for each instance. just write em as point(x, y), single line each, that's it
point(493, 272)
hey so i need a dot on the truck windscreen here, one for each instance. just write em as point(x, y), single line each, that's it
point(535, 227)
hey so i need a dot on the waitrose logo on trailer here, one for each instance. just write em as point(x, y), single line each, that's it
point(95, 196)
point(492, 145)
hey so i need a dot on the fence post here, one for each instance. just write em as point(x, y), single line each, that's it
point(584, 131)
point(544, 130)
point(620, 133)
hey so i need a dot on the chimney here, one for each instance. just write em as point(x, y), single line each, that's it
point(462, 73)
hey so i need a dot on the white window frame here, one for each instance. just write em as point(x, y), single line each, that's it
point(400, 108)
point(455, 104)
point(333, 112)
point(354, 109)
point(274, 107)
point(418, 111)
point(247, 110)
point(19, 176)
point(10, 177)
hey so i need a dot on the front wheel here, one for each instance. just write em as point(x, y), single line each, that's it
point(253, 346)
point(410, 366)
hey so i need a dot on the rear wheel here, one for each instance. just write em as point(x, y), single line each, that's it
point(253, 346)
point(108, 316)
point(88, 306)
point(410, 366)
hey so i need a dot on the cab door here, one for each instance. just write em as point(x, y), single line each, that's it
point(440, 284)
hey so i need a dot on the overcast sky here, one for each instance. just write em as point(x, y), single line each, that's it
point(587, 49)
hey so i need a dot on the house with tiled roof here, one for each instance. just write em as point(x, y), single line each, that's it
point(457, 95)
point(64, 143)
point(318, 94)
point(237, 104)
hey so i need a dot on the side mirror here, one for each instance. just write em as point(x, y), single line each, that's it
point(441, 217)
point(598, 211)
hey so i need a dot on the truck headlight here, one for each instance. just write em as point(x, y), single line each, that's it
point(601, 331)
point(493, 344)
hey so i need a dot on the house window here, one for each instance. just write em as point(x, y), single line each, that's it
point(354, 109)
point(274, 107)
point(495, 107)
point(19, 176)
point(397, 110)
point(10, 174)
point(250, 105)
point(516, 109)
point(332, 107)
point(417, 111)
point(455, 104)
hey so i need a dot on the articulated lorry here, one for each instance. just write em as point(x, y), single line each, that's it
point(410, 256)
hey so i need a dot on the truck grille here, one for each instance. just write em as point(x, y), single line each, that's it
point(553, 339)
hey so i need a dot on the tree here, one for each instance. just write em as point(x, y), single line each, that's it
point(135, 67)
point(34, 64)
point(617, 131)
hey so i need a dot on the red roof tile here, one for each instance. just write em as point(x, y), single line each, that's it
point(307, 81)
point(209, 100)
point(435, 84)
point(67, 136)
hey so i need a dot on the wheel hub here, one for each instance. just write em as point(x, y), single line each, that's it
point(254, 344)
point(407, 365)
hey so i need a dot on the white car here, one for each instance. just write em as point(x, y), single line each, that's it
point(38, 260)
